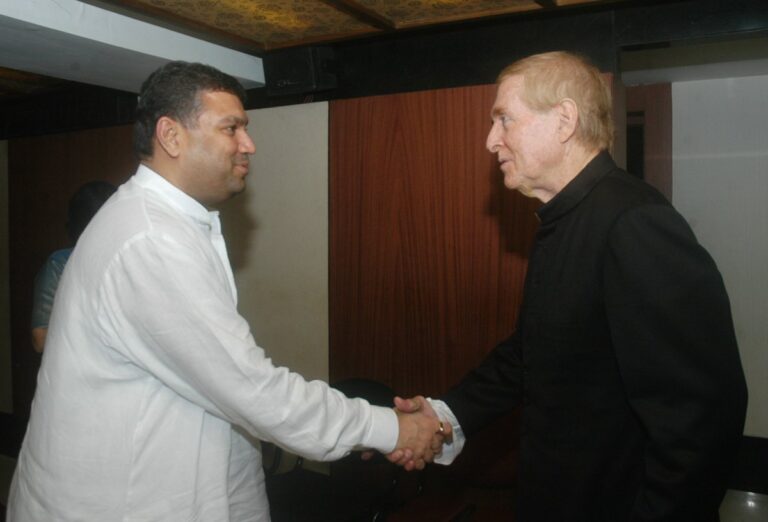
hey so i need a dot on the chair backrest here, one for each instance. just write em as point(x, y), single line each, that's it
point(374, 478)
point(355, 490)
point(375, 392)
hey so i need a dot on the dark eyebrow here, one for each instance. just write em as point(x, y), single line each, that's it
point(234, 120)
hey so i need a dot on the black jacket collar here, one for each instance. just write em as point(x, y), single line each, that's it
point(578, 188)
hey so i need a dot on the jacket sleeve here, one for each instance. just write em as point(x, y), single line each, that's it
point(671, 325)
point(490, 390)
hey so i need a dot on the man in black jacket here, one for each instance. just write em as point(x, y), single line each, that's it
point(624, 357)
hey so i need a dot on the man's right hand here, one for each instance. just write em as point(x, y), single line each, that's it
point(421, 433)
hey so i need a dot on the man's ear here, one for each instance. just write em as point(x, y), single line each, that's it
point(168, 135)
point(568, 114)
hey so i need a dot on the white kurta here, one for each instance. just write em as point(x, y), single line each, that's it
point(152, 388)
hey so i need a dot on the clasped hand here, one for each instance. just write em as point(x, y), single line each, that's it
point(421, 433)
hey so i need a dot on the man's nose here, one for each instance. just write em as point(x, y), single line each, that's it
point(247, 146)
point(492, 141)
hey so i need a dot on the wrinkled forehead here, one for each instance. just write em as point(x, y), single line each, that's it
point(508, 94)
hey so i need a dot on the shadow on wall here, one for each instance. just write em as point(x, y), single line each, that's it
point(240, 228)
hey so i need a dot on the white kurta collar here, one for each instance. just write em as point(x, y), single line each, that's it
point(148, 178)
point(187, 205)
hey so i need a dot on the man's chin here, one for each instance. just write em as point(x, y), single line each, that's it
point(514, 184)
point(231, 191)
point(511, 181)
point(237, 189)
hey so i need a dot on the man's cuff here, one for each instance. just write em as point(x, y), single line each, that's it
point(384, 430)
point(451, 449)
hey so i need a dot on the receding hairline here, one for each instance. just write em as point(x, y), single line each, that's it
point(549, 78)
point(199, 105)
point(554, 59)
point(497, 109)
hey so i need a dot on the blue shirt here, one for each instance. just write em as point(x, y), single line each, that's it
point(46, 282)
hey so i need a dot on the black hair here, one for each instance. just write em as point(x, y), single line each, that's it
point(84, 204)
point(173, 90)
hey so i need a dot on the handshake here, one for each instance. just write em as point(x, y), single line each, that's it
point(422, 434)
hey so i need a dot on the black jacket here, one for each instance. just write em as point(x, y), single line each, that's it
point(624, 360)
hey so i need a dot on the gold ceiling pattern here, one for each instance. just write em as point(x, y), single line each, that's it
point(267, 22)
point(261, 25)
point(429, 12)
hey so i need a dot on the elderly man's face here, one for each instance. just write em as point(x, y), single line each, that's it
point(217, 149)
point(525, 142)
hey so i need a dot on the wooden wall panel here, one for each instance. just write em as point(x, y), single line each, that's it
point(655, 103)
point(428, 250)
point(43, 172)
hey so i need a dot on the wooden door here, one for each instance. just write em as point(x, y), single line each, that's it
point(428, 250)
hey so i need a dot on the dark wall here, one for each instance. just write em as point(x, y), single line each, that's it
point(75, 107)
point(467, 55)
point(44, 171)
point(474, 53)
point(452, 56)
point(663, 22)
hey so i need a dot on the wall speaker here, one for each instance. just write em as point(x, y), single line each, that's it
point(299, 70)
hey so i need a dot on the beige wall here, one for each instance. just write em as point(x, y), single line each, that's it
point(720, 184)
point(277, 235)
point(6, 399)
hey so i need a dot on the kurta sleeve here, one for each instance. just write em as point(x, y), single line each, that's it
point(491, 389)
point(170, 297)
point(674, 340)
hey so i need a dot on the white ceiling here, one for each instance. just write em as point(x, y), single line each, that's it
point(75, 41)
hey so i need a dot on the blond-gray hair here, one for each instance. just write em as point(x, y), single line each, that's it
point(549, 78)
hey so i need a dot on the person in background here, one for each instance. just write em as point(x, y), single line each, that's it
point(624, 357)
point(83, 205)
point(153, 394)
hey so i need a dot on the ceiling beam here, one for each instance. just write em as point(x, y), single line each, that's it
point(362, 14)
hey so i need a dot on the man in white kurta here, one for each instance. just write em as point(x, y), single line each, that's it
point(152, 392)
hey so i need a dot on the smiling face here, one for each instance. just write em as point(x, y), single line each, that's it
point(525, 141)
point(215, 150)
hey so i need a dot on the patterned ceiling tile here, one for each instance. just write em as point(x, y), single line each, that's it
point(271, 22)
point(421, 12)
